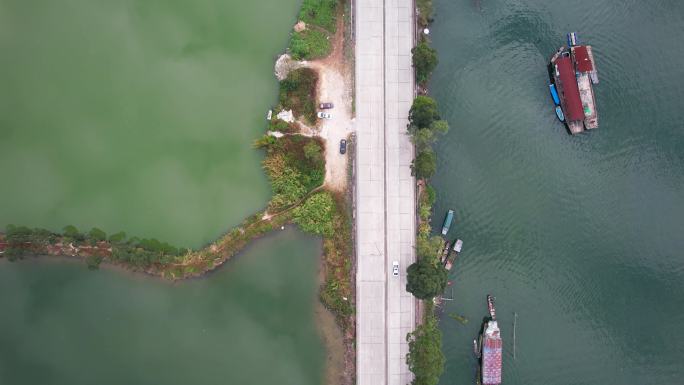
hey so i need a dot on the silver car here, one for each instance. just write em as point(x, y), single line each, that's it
point(395, 268)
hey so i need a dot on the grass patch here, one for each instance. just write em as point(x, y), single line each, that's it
point(336, 293)
point(424, 12)
point(310, 44)
point(298, 92)
point(320, 13)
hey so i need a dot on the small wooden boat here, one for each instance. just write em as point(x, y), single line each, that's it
point(559, 114)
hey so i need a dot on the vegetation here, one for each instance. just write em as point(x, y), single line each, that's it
point(423, 112)
point(424, 12)
point(298, 92)
point(424, 165)
point(424, 127)
point(295, 166)
point(425, 279)
point(320, 13)
point(336, 293)
point(316, 214)
point(424, 61)
point(310, 44)
point(425, 358)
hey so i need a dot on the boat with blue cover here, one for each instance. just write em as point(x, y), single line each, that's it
point(554, 94)
point(447, 222)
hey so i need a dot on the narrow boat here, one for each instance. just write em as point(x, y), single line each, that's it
point(554, 94)
point(447, 222)
point(559, 113)
point(490, 348)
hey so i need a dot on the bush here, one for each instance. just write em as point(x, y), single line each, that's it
point(309, 44)
point(424, 61)
point(319, 12)
point(316, 214)
point(424, 12)
point(425, 279)
point(425, 358)
point(93, 262)
point(97, 235)
point(117, 237)
point(298, 92)
point(423, 112)
point(425, 164)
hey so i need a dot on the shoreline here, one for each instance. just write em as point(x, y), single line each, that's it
point(333, 311)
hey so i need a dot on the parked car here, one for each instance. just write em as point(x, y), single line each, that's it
point(323, 115)
point(326, 106)
point(395, 268)
point(343, 146)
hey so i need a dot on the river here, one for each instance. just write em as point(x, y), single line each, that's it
point(139, 116)
point(581, 236)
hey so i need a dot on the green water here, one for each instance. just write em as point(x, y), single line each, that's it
point(581, 236)
point(250, 322)
point(136, 115)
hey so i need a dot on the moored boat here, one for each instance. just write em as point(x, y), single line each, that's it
point(559, 113)
point(573, 72)
point(447, 222)
point(554, 94)
point(490, 349)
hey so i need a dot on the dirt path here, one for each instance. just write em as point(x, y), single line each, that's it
point(335, 86)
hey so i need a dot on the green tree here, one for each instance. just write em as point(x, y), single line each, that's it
point(425, 280)
point(423, 112)
point(312, 151)
point(425, 358)
point(117, 237)
point(425, 164)
point(424, 61)
point(97, 235)
point(316, 214)
point(72, 234)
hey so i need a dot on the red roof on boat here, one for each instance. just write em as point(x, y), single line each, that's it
point(491, 361)
point(570, 93)
point(582, 59)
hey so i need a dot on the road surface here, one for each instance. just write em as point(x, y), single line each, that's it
point(385, 189)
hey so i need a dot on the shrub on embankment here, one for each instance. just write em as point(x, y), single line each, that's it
point(424, 62)
point(424, 127)
point(424, 14)
point(425, 358)
point(136, 252)
point(298, 93)
point(320, 17)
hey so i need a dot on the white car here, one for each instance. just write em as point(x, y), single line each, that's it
point(323, 115)
point(395, 268)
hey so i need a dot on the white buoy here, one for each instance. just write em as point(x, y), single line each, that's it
point(426, 31)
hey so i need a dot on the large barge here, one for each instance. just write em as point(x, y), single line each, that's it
point(573, 74)
point(490, 348)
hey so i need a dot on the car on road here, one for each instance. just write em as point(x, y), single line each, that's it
point(395, 268)
point(323, 115)
point(326, 106)
point(343, 146)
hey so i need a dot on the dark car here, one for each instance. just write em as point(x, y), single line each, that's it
point(343, 146)
point(326, 106)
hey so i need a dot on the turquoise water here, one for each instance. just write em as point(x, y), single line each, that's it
point(581, 236)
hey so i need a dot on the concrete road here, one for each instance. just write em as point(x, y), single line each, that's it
point(385, 189)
